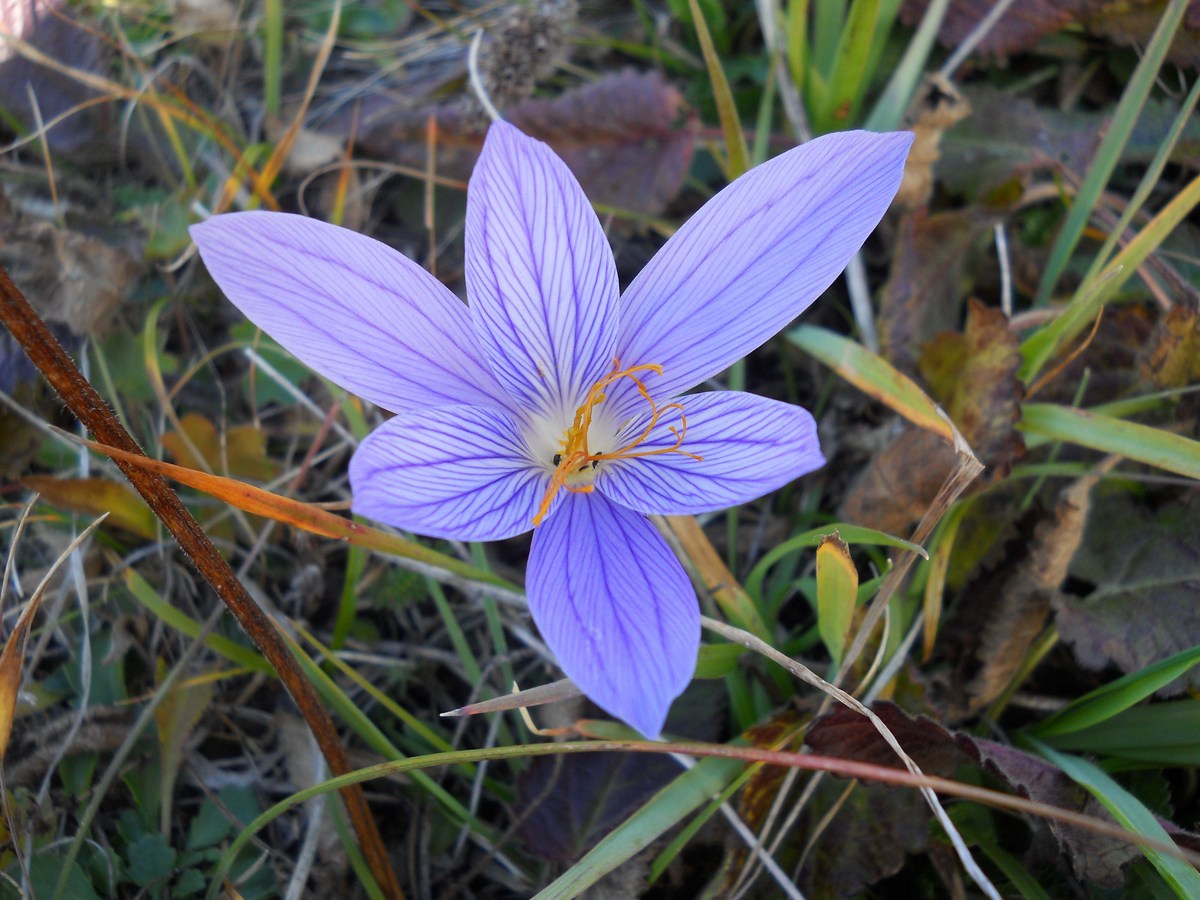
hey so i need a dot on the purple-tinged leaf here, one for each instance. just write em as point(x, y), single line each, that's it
point(350, 308)
point(540, 274)
point(749, 446)
point(460, 472)
point(616, 607)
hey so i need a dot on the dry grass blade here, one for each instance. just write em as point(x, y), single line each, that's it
point(14, 648)
point(89, 407)
point(807, 676)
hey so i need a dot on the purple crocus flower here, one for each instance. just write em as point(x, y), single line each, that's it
point(554, 403)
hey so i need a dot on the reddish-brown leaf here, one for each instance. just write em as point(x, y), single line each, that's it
point(628, 137)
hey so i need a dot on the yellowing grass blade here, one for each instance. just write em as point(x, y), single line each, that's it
point(837, 594)
point(1142, 443)
point(875, 376)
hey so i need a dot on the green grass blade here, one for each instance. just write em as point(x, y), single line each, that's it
point(1164, 733)
point(850, 534)
point(1040, 346)
point(1133, 814)
point(1124, 117)
point(851, 73)
point(1149, 181)
point(736, 153)
point(668, 807)
point(892, 103)
point(1153, 446)
point(798, 56)
point(1117, 696)
point(874, 375)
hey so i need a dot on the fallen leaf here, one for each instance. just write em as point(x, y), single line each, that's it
point(628, 137)
point(940, 751)
point(69, 278)
point(973, 375)
point(925, 292)
point(1010, 136)
point(244, 454)
point(898, 486)
point(938, 105)
point(1013, 604)
point(1026, 22)
point(868, 839)
point(1171, 357)
point(1145, 566)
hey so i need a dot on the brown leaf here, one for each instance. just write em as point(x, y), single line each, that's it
point(937, 106)
point(1027, 21)
point(940, 751)
point(1015, 611)
point(70, 279)
point(925, 292)
point(1009, 137)
point(1171, 358)
point(1145, 565)
point(1093, 857)
point(896, 489)
point(628, 137)
point(241, 451)
point(847, 734)
point(973, 375)
point(868, 840)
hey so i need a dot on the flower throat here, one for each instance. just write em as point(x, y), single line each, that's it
point(576, 456)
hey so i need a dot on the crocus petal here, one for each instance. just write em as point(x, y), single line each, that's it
point(616, 607)
point(540, 274)
point(350, 308)
point(459, 472)
point(754, 257)
point(749, 446)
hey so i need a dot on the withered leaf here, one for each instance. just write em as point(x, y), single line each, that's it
point(848, 734)
point(1027, 21)
point(240, 451)
point(628, 137)
point(1145, 565)
point(1171, 358)
point(868, 840)
point(1016, 608)
point(938, 104)
point(939, 751)
point(925, 292)
point(973, 374)
point(1024, 23)
point(900, 483)
point(69, 278)
point(1011, 136)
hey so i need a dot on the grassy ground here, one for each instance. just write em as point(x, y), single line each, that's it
point(1001, 559)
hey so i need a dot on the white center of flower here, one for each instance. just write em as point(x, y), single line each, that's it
point(591, 439)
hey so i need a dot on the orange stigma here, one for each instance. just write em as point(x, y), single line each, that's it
point(576, 456)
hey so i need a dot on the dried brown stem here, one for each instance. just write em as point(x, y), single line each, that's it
point(88, 406)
